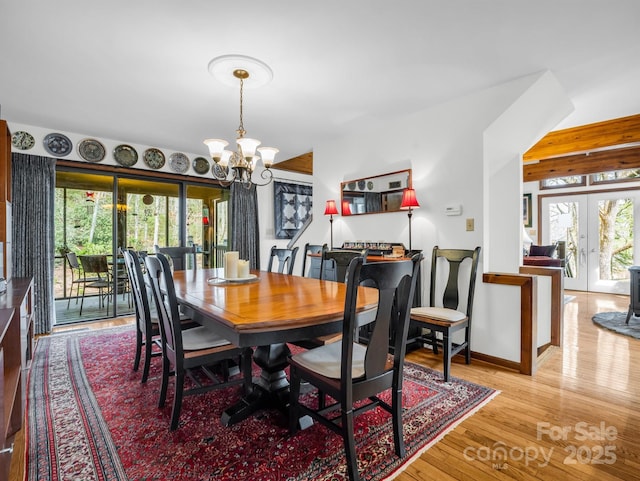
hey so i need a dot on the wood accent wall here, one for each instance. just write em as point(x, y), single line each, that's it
point(588, 149)
point(302, 164)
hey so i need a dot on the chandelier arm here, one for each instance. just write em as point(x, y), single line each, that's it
point(266, 174)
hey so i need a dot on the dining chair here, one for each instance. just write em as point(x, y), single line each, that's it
point(182, 258)
point(96, 275)
point(355, 374)
point(189, 350)
point(314, 263)
point(147, 326)
point(78, 279)
point(450, 303)
point(335, 263)
point(286, 258)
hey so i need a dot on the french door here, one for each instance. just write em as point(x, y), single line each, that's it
point(599, 230)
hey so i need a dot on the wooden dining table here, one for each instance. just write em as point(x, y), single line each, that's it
point(266, 313)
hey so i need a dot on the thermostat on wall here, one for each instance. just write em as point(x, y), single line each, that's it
point(453, 209)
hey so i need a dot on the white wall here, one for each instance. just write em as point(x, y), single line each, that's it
point(446, 149)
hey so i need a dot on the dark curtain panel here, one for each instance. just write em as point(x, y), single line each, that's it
point(244, 224)
point(33, 194)
point(373, 201)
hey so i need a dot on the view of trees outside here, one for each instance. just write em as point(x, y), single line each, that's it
point(615, 236)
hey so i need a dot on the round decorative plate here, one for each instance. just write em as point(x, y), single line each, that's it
point(125, 155)
point(179, 162)
point(201, 165)
point(370, 185)
point(91, 150)
point(361, 184)
point(154, 158)
point(22, 140)
point(57, 144)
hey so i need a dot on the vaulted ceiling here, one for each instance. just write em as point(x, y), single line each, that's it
point(137, 71)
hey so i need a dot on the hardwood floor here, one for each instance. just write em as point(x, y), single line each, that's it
point(577, 418)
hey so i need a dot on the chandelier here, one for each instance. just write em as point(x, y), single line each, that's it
point(240, 165)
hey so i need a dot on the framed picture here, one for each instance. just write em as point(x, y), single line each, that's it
point(527, 217)
point(292, 207)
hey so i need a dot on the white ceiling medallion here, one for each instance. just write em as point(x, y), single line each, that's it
point(223, 67)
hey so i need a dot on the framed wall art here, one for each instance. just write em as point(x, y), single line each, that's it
point(292, 207)
point(527, 217)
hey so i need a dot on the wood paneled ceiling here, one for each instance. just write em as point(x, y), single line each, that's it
point(599, 147)
point(302, 164)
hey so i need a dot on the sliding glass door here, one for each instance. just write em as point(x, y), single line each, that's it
point(99, 214)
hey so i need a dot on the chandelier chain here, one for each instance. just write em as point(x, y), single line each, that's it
point(241, 130)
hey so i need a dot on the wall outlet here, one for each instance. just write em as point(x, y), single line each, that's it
point(470, 224)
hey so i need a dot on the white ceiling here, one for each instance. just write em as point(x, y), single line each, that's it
point(136, 71)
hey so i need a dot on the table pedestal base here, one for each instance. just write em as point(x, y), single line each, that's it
point(270, 390)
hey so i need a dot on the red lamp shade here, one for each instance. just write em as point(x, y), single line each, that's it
point(346, 208)
point(205, 220)
point(330, 208)
point(409, 200)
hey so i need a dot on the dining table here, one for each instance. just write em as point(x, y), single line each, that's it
point(265, 311)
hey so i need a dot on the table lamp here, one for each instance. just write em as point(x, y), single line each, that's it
point(331, 209)
point(409, 201)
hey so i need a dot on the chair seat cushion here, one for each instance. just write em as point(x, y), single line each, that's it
point(201, 338)
point(325, 360)
point(438, 313)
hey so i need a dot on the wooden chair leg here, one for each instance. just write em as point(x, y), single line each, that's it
point(165, 381)
point(467, 350)
point(398, 440)
point(148, 348)
point(350, 444)
point(446, 354)
point(136, 361)
point(177, 399)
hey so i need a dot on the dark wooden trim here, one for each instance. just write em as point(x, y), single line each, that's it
point(582, 164)
point(557, 297)
point(528, 304)
point(498, 361)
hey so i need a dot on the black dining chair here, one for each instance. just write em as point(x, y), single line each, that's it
point(335, 263)
point(354, 374)
point(185, 351)
point(314, 262)
point(286, 259)
point(450, 303)
point(182, 258)
point(96, 275)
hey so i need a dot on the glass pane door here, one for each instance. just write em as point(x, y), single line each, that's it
point(600, 231)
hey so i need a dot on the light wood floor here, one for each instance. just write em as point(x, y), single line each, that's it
point(536, 428)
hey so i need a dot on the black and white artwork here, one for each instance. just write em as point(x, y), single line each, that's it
point(293, 205)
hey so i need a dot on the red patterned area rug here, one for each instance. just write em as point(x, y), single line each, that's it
point(90, 418)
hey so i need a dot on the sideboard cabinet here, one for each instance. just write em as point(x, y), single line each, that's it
point(16, 350)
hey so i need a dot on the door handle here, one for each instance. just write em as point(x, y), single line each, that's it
point(583, 256)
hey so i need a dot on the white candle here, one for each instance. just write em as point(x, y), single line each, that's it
point(243, 268)
point(231, 264)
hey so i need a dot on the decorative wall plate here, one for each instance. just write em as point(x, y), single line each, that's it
point(201, 165)
point(361, 184)
point(22, 140)
point(125, 155)
point(179, 162)
point(91, 150)
point(370, 185)
point(57, 144)
point(154, 158)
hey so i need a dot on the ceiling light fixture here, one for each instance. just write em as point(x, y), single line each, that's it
point(239, 166)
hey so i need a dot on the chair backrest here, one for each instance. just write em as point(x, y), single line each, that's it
point(164, 295)
point(72, 259)
point(314, 267)
point(285, 257)
point(396, 283)
point(182, 258)
point(95, 264)
point(459, 287)
point(141, 300)
point(335, 263)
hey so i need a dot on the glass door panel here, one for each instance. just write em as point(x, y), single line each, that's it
point(600, 232)
point(205, 220)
